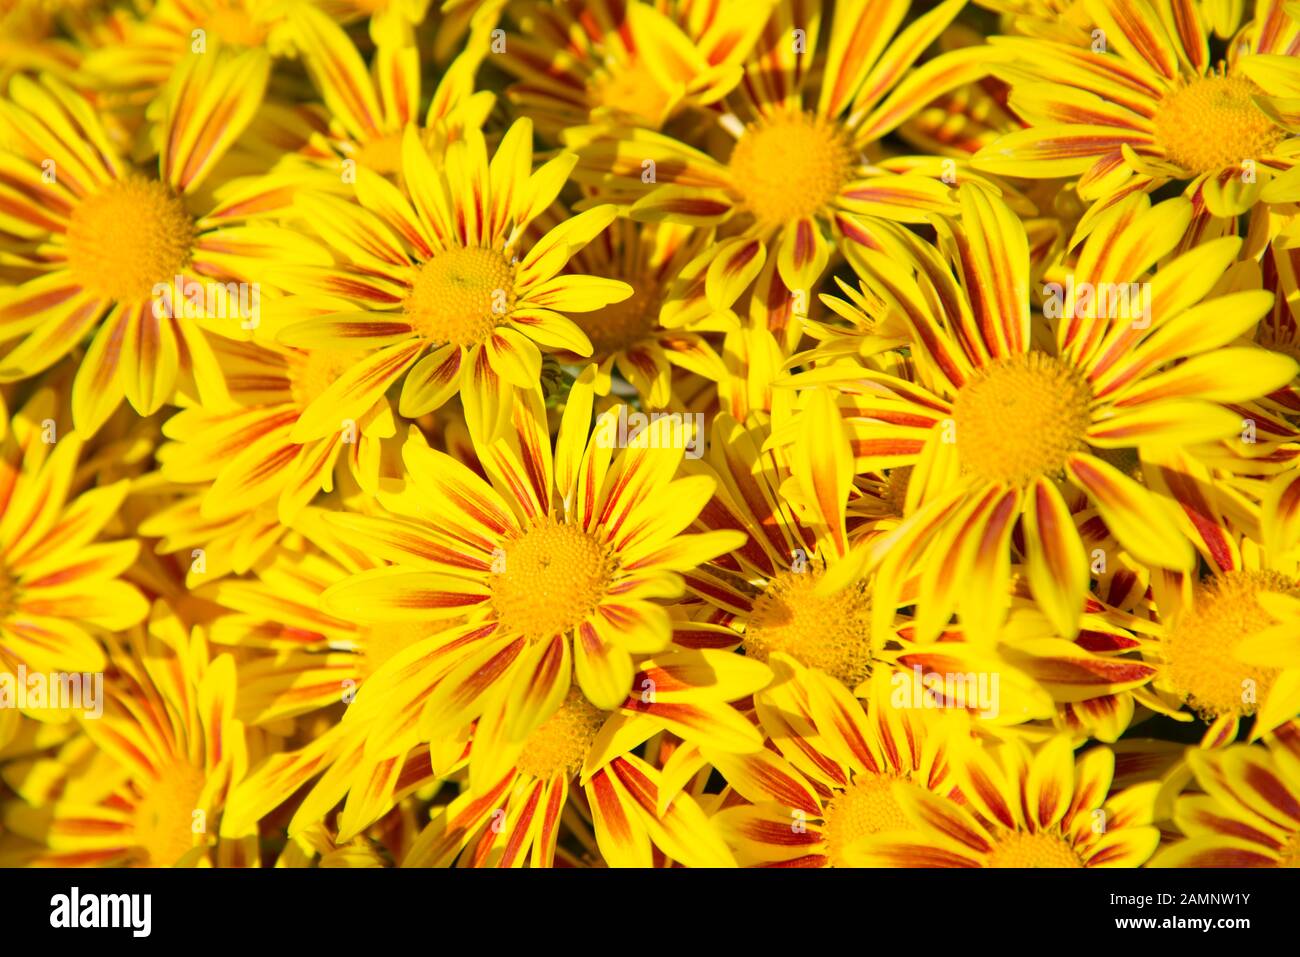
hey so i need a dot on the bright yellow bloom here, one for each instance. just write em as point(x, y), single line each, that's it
point(1150, 107)
point(443, 266)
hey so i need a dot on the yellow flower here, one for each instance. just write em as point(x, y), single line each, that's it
point(1150, 106)
point(438, 266)
point(60, 585)
point(999, 415)
point(119, 247)
point(167, 750)
point(1023, 809)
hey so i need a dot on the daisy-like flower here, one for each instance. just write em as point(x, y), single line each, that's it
point(1227, 646)
point(776, 590)
point(662, 324)
point(439, 267)
point(32, 35)
point(997, 417)
point(169, 747)
point(60, 586)
point(118, 246)
point(799, 168)
point(1153, 107)
point(1023, 808)
point(154, 45)
point(368, 111)
point(1246, 812)
point(833, 779)
point(245, 451)
point(558, 564)
point(306, 659)
point(529, 781)
point(626, 63)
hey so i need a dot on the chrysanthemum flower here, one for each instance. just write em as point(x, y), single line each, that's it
point(113, 240)
point(1227, 646)
point(631, 63)
point(529, 780)
point(438, 267)
point(59, 585)
point(155, 45)
point(1023, 809)
point(1247, 812)
point(792, 507)
point(368, 111)
point(662, 324)
point(168, 727)
point(831, 783)
point(304, 658)
point(1153, 107)
point(799, 163)
point(245, 452)
point(996, 420)
point(557, 563)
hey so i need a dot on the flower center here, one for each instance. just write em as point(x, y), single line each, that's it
point(829, 632)
point(164, 818)
point(1200, 664)
point(561, 742)
point(1213, 122)
point(461, 294)
point(551, 578)
point(311, 373)
point(1020, 418)
point(626, 90)
point(382, 155)
point(1020, 849)
point(866, 807)
point(619, 326)
point(790, 167)
point(129, 237)
point(1289, 854)
point(896, 488)
point(8, 590)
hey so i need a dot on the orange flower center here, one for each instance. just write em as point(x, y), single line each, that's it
point(896, 488)
point(866, 807)
point(461, 295)
point(627, 91)
point(164, 819)
point(8, 589)
point(550, 578)
point(1044, 849)
point(1198, 651)
point(790, 167)
point(1212, 123)
point(127, 238)
point(561, 742)
point(1021, 417)
point(618, 326)
point(831, 632)
point(311, 373)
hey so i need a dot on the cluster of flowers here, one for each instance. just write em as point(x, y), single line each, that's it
point(650, 433)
